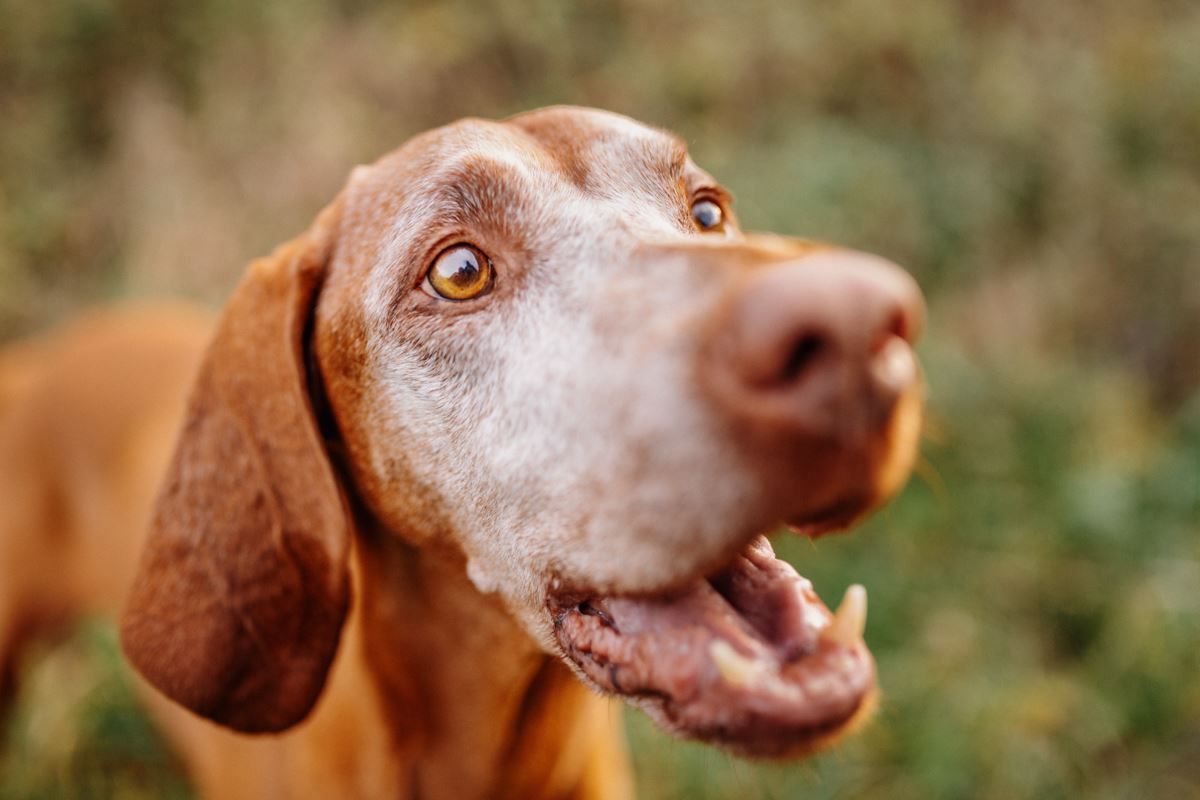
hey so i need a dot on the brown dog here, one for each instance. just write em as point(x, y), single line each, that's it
point(518, 405)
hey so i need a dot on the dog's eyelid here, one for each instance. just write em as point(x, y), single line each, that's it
point(714, 193)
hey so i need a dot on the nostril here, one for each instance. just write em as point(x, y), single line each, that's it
point(803, 353)
point(897, 328)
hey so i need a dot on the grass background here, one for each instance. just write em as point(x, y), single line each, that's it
point(1035, 593)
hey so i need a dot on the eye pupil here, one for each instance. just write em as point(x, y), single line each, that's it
point(460, 273)
point(463, 268)
point(707, 215)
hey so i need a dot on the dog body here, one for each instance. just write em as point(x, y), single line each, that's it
point(506, 421)
point(88, 418)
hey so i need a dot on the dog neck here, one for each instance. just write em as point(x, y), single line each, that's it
point(472, 707)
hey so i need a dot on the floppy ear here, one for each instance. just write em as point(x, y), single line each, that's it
point(243, 584)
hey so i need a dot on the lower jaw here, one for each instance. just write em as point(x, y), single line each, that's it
point(749, 659)
point(763, 743)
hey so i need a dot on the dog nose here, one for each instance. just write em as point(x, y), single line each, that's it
point(818, 345)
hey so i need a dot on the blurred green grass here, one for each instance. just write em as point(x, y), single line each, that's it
point(1035, 593)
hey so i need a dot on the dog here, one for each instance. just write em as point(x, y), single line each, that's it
point(495, 440)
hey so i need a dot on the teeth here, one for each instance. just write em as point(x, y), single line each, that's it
point(850, 619)
point(762, 545)
point(734, 667)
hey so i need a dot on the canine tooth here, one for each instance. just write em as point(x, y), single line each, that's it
point(850, 619)
point(762, 545)
point(734, 667)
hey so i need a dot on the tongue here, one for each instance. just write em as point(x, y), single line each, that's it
point(750, 653)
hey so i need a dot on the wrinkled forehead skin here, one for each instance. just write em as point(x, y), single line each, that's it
point(552, 430)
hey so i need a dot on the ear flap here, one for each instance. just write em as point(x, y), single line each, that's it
point(242, 587)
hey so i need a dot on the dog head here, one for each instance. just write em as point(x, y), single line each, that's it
point(545, 343)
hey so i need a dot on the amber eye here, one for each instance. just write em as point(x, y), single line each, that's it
point(708, 215)
point(460, 272)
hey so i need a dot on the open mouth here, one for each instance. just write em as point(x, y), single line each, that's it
point(748, 657)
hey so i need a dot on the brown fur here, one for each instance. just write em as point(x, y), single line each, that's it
point(294, 582)
point(85, 431)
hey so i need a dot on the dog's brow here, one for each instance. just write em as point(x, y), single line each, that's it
point(677, 154)
point(477, 185)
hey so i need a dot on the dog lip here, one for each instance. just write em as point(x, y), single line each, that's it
point(748, 658)
point(834, 517)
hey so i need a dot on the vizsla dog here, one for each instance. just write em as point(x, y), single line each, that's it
point(494, 440)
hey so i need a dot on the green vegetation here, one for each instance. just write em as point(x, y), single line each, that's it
point(1035, 593)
